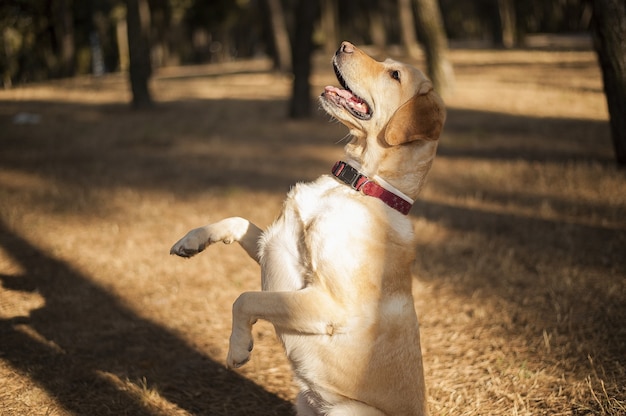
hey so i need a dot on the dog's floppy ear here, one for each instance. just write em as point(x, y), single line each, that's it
point(420, 118)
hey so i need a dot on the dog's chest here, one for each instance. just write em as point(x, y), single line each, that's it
point(286, 245)
point(327, 230)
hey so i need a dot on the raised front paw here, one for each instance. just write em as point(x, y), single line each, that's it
point(191, 244)
point(239, 350)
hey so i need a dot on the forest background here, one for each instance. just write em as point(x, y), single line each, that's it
point(43, 39)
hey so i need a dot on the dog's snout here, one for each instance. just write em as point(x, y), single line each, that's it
point(346, 47)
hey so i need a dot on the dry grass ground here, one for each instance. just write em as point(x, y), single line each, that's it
point(520, 277)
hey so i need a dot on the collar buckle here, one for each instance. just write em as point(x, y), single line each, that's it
point(349, 175)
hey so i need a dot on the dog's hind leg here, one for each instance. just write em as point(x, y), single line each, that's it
point(228, 231)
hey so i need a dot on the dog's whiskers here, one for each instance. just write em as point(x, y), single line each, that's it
point(345, 138)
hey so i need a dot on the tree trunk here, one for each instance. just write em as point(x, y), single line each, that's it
point(330, 25)
point(378, 32)
point(609, 36)
point(121, 32)
point(407, 28)
point(506, 10)
point(64, 32)
point(306, 12)
point(502, 22)
point(138, 22)
point(431, 34)
point(280, 34)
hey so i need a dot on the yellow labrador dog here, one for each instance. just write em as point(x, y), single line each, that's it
point(336, 264)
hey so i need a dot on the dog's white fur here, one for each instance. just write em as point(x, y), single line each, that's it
point(335, 265)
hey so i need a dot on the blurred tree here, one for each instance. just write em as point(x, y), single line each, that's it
point(330, 25)
point(41, 39)
point(306, 14)
point(609, 35)
point(506, 22)
point(503, 23)
point(431, 33)
point(160, 18)
point(378, 34)
point(140, 70)
point(63, 21)
point(353, 20)
point(118, 19)
point(407, 28)
point(282, 46)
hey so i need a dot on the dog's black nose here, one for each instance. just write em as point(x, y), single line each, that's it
point(346, 47)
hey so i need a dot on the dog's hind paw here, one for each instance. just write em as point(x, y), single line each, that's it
point(232, 363)
point(237, 357)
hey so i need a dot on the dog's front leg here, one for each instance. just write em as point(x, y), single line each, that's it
point(227, 231)
point(308, 311)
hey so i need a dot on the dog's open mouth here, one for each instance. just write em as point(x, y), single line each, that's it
point(357, 106)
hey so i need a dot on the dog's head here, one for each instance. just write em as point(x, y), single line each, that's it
point(387, 106)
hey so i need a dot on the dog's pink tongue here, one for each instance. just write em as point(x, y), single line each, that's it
point(340, 92)
point(350, 99)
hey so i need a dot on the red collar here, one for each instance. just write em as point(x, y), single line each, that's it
point(356, 180)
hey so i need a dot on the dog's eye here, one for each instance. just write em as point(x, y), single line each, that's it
point(395, 75)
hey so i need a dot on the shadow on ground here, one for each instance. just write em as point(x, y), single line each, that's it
point(82, 348)
point(186, 147)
